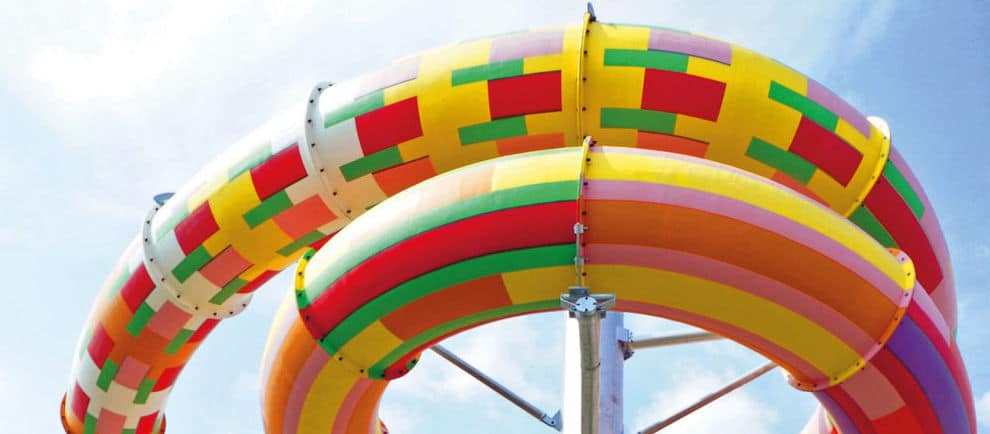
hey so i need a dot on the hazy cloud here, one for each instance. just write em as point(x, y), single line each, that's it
point(739, 409)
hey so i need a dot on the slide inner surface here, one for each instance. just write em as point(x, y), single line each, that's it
point(297, 181)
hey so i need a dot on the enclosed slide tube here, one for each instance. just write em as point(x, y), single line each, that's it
point(748, 200)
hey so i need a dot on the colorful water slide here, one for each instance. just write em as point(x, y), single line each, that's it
point(719, 188)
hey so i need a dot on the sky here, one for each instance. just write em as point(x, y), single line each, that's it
point(106, 103)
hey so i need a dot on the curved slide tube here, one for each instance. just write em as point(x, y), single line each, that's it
point(296, 182)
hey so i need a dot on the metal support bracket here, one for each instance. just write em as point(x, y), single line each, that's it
point(551, 421)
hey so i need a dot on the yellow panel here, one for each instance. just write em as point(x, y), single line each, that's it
point(661, 170)
point(558, 166)
point(709, 299)
point(229, 205)
point(324, 398)
point(370, 346)
point(444, 108)
point(546, 123)
point(550, 62)
point(539, 284)
point(747, 110)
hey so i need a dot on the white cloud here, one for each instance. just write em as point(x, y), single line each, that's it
point(983, 410)
point(738, 409)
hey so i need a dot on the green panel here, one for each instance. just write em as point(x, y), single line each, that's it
point(780, 159)
point(228, 290)
point(129, 431)
point(360, 106)
point(865, 219)
point(172, 215)
point(143, 391)
point(643, 120)
point(191, 264)
point(268, 208)
point(378, 369)
point(380, 160)
point(463, 209)
point(494, 130)
point(454, 274)
point(178, 341)
point(250, 161)
point(140, 319)
point(106, 374)
point(303, 241)
point(903, 187)
point(646, 59)
point(89, 425)
point(491, 71)
point(811, 110)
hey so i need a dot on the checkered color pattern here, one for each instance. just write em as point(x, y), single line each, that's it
point(294, 185)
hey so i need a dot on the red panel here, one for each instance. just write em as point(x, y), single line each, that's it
point(901, 421)
point(100, 345)
point(167, 378)
point(676, 92)
point(669, 143)
point(304, 217)
point(256, 283)
point(203, 330)
point(147, 423)
point(540, 225)
point(80, 402)
point(852, 410)
point(533, 142)
point(196, 228)
point(137, 288)
point(398, 178)
point(388, 126)
point(224, 267)
point(826, 151)
point(795, 185)
point(909, 389)
point(895, 216)
point(278, 172)
point(524, 94)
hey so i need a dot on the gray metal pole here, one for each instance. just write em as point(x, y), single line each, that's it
point(752, 375)
point(583, 411)
point(553, 422)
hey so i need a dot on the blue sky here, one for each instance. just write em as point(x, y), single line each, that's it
point(106, 103)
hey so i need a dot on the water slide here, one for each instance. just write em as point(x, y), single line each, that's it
point(696, 180)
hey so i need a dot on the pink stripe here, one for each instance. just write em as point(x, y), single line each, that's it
point(825, 97)
point(347, 407)
point(304, 382)
point(737, 277)
point(743, 337)
point(744, 212)
point(927, 305)
point(285, 317)
point(697, 46)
